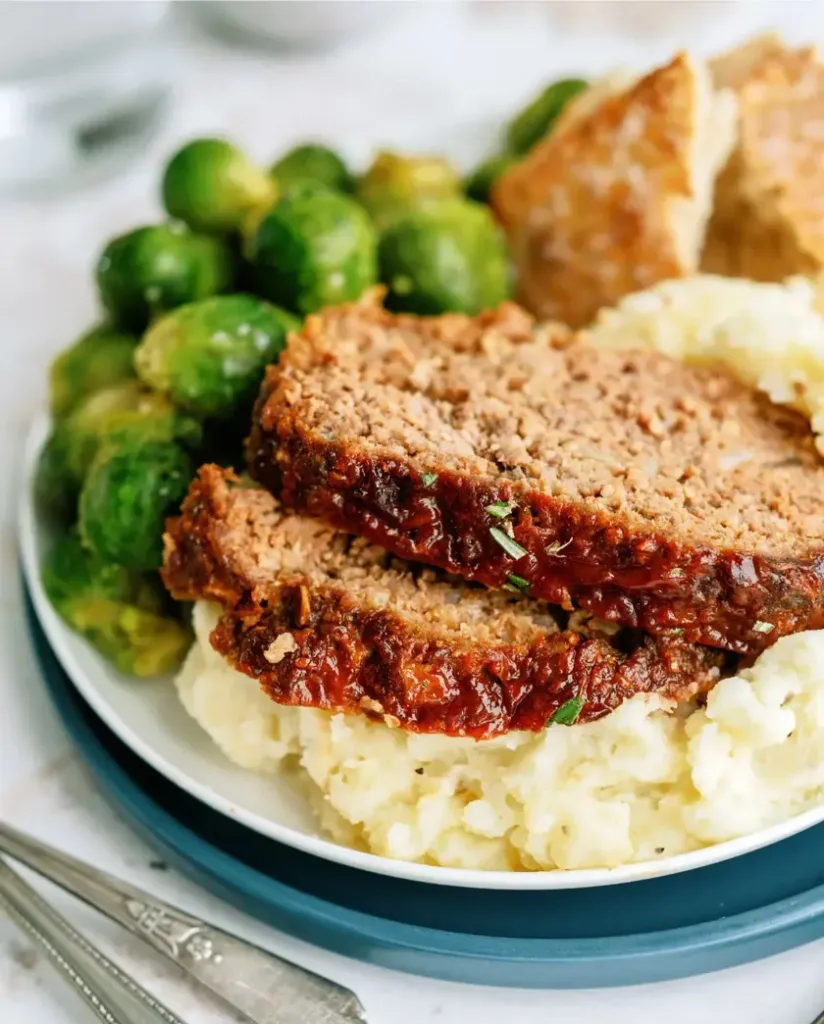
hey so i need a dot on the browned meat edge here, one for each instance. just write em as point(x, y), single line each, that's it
point(376, 662)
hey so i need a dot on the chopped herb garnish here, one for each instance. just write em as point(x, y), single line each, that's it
point(500, 509)
point(763, 627)
point(509, 544)
point(429, 479)
point(567, 714)
point(518, 584)
point(659, 850)
point(419, 771)
point(556, 548)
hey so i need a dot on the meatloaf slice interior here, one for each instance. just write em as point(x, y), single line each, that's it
point(325, 620)
point(654, 494)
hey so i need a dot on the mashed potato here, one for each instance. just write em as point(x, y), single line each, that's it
point(636, 785)
point(770, 335)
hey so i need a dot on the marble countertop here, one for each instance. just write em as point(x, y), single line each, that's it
point(424, 78)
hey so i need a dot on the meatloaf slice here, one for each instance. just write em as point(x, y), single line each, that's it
point(650, 493)
point(325, 620)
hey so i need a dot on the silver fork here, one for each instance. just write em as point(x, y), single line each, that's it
point(262, 986)
point(108, 991)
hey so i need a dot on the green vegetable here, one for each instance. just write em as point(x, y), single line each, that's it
point(315, 248)
point(763, 627)
point(126, 409)
point(209, 357)
point(509, 544)
point(211, 186)
point(312, 162)
point(396, 184)
point(500, 509)
point(517, 583)
point(479, 183)
point(55, 486)
point(132, 486)
point(153, 269)
point(429, 479)
point(567, 714)
point(534, 121)
point(100, 358)
point(448, 258)
point(122, 613)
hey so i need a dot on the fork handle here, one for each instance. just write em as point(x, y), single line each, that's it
point(263, 988)
point(113, 996)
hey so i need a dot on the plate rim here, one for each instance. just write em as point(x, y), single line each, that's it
point(195, 853)
point(318, 846)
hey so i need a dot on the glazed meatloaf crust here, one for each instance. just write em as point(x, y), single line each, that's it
point(650, 493)
point(325, 620)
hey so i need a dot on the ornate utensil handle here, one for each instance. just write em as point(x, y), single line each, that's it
point(110, 993)
point(267, 989)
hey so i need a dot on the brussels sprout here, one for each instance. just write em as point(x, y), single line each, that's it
point(450, 257)
point(479, 183)
point(55, 486)
point(124, 614)
point(395, 184)
point(534, 121)
point(125, 410)
point(130, 488)
point(209, 357)
point(312, 162)
point(315, 248)
point(100, 358)
point(153, 269)
point(211, 186)
point(245, 240)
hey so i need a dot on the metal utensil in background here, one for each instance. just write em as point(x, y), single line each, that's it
point(82, 86)
point(110, 993)
point(263, 986)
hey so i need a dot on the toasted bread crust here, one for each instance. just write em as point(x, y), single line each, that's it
point(616, 200)
point(346, 653)
point(437, 451)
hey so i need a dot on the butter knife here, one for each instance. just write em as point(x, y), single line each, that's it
point(262, 986)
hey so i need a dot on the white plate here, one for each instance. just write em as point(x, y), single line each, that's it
point(148, 718)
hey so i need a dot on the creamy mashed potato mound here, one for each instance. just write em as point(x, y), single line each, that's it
point(770, 335)
point(637, 785)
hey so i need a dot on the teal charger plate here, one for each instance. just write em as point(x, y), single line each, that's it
point(720, 916)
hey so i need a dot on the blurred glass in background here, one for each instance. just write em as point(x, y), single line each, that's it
point(81, 84)
point(302, 24)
